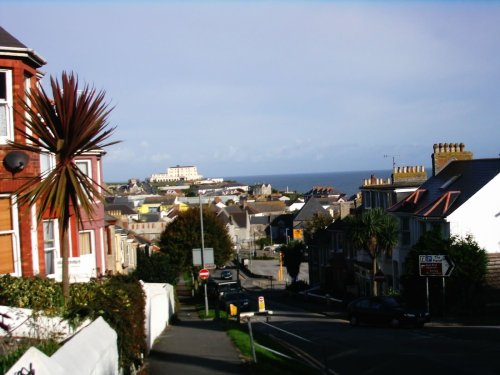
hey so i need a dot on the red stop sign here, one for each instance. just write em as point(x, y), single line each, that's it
point(204, 274)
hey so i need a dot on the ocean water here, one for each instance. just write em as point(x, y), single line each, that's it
point(345, 182)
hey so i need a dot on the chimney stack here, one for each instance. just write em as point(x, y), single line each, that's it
point(444, 153)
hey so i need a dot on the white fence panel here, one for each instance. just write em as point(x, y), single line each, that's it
point(160, 306)
point(92, 351)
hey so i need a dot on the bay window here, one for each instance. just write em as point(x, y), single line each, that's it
point(6, 108)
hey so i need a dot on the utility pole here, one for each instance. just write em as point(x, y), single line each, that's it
point(202, 255)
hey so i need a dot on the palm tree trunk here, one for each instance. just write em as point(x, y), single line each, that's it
point(374, 271)
point(64, 240)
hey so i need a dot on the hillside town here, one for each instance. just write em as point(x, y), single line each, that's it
point(457, 198)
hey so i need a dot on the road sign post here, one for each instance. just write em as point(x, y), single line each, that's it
point(435, 266)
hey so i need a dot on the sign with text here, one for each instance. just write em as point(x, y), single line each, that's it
point(298, 234)
point(262, 304)
point(435, 265)
point(208, 258)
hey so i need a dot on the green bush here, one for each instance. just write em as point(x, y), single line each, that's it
point(155, 268)
point(32, 293)
point(120, 300)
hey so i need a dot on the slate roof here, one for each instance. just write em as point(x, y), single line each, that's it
point(265, 207)
point(312, 207)
point(11, 46)
point(7, 40)
point(240, 219)
point(168, 200)
point(259, 220)
point(233, 209)
point(323, 191)
point(443, 193)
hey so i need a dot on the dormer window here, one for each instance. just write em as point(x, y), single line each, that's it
point(6, 113)
point(449, 182)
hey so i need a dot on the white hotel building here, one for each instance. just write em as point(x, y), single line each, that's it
point(177, 173)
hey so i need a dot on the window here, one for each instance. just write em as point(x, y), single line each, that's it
point(6, 236)
point(423, 227)
point(86, 242)
point(47, 164)
point(84, 166)
point(6, 113)
point(27, 89)
point(405, 231)
point(49, 245)
point(367, 199)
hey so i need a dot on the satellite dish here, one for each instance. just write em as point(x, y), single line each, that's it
point(15, 161)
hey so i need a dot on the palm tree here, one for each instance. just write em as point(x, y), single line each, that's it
point(375, 231)
point(68, 124)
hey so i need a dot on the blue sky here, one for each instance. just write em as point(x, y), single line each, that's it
point(271, 87)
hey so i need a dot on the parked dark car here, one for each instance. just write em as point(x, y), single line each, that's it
point(217, 288)
point(385, 310)
point(226, 275)
point(239, 299)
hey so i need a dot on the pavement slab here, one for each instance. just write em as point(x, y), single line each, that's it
point(194, 346)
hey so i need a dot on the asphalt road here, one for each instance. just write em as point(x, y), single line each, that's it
point(267, 268)
point(334, 345)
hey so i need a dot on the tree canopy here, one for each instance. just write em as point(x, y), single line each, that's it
point(293, 254)
point(465, 282)
point(315, 229)
point(184, 234)
point(374, 231)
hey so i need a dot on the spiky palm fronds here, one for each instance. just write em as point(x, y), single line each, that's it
point(70, 123)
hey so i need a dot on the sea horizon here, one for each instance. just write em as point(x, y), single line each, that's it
point(347, 182)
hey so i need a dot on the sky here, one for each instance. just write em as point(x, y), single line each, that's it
point(239, 88)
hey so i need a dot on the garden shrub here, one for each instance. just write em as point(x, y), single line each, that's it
point(34, 293)
point(120, 300)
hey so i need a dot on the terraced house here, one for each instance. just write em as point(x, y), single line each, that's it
point(27, 247)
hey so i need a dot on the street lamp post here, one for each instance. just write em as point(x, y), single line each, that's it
point(238, 259)
point(202, 257)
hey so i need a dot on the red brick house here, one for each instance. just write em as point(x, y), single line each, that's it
point(26, 247)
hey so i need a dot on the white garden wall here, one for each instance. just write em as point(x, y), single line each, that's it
point(93, 349)
point(160, 306)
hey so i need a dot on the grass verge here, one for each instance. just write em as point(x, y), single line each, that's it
point(267, 361)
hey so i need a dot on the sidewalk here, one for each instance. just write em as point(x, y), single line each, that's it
point(194, 346)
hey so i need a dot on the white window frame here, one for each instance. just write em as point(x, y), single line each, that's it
point(91, 239)
point(8, 103)
point(56, 248)
point(88, 164)
point(27, 90)
point(16, 246)
point(47, 163)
